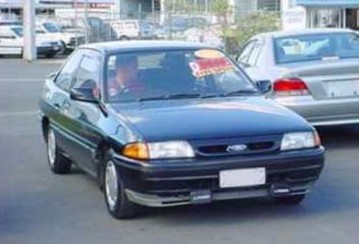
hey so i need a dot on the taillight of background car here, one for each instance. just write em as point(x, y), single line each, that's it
point(290, 87)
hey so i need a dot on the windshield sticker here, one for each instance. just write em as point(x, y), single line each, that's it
point(208, 54)
point(206, 67)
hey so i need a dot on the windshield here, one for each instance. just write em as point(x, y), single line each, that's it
point(316, 47)
point(141, 76)
point(18, 31)
point(52, 27)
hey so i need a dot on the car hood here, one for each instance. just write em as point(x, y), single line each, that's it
point(46, 38)
point(209, 118)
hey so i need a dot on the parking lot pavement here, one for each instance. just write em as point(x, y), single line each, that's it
point(39, 207)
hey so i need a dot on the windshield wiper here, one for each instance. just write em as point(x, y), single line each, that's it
point(211, 95)
point(239, 92)
point(170, 96)
point(183, 95)
point(162, 97)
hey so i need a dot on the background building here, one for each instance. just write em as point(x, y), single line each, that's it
point(321, 13)
point(244, 7)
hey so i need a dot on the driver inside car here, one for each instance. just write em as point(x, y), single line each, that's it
point(126, 80)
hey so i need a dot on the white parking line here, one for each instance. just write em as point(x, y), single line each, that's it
point(4, 80)
point(54, 61)
point(18, 113)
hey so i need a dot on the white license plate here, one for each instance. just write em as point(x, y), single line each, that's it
point(343, 88)
point(242, 177)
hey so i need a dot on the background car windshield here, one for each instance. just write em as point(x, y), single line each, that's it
point(316, 47)
point(52, 28)
point(167, 73)
point(18, 31)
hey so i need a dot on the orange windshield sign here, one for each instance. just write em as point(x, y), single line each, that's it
point(205, 67)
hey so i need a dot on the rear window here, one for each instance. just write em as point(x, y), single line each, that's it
point(316, 47)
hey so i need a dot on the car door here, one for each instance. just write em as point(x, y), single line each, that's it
point(9, 43)
point(57, 102)
point(248, 59)
point(86, 116)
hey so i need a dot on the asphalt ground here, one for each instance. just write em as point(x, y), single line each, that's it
point(39, 207)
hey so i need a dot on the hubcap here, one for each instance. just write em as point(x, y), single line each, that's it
point(111, 185)
point(51, 147)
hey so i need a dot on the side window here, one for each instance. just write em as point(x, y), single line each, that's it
point(88, 73)
point(246, 52)
point(67, 73)
point(253, 57)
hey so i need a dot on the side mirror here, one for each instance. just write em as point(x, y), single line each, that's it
point(264, 86)
point(83, 95)
point(52, 75)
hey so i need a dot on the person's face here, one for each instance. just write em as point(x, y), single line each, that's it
point(125, 74)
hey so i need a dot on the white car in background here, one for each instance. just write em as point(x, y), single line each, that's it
point(207, 35)
point(12, 42)
point(133, 29)
point(53, 30)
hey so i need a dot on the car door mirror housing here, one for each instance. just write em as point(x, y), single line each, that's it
point(264, 86)
point(52, 75)
point(83, 95)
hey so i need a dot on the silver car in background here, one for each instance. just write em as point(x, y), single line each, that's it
point(314, 72)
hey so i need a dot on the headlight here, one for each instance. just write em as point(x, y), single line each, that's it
point(159, 150)
point(299, 140)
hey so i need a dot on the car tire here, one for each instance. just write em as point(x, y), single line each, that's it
point(50, 54)
point(116, 199)
point(124, 38)
point(58, 163)
point(63, 49)
point(290, 200)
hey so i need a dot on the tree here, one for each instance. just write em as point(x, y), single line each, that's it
point(248, 26)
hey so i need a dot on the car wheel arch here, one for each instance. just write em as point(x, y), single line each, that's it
point(45, 123)
point(102, 152)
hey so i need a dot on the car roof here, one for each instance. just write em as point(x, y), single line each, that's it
point(118, 46)
point(278, 34)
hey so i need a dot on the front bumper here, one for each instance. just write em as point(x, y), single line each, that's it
point(197, 181)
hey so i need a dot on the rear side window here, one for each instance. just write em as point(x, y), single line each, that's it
point(253, 57)
point(246, 52)
point(65, 78)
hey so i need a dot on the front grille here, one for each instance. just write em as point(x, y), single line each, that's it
point(223, 149)
point(237, 146)
point(260, 145)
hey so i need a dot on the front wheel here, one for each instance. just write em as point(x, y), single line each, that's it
point(50, 54)
point(116, 199)
point(63, 49)
point(58, 163)
point(124, 38)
